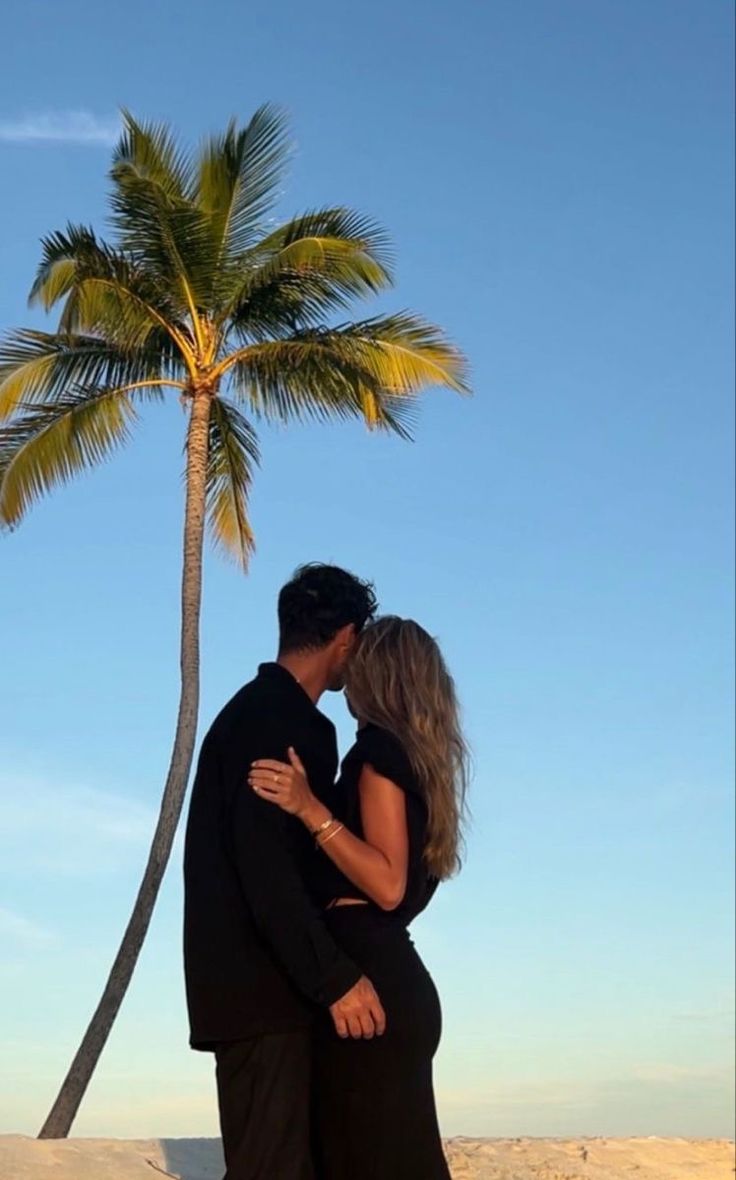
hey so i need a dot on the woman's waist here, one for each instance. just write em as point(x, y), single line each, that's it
point(379, 943)
point(352, 913)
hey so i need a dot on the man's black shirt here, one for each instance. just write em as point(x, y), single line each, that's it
point(257, 952)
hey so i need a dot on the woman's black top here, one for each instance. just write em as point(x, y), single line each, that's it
point(379, 749)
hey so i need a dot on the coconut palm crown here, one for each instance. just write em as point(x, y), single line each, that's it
point(197, 295)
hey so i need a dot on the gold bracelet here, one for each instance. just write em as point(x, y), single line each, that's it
point(323, 826)
point(329, 836)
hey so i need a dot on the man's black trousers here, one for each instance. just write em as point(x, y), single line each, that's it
point(263, 1087)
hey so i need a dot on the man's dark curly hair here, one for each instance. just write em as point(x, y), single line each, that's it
point(317, 602)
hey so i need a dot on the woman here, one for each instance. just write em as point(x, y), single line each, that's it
point(388, 835)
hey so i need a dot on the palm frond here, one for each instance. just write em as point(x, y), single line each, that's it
point(54, 442)
point(63, 255)
point(238, 177)
point(107, 309)
point(232, 455)
point(40, 367)
point(398, 415)
point(308, 268)
point(298, 378)
point(170, 238)
point(406, 354)
point(334, 222)
point(105, 294)
point(151, 152)
point(153, 209)
point(311, 377)
point(372, 368)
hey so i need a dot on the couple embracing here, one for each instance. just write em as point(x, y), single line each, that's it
point(299, 887)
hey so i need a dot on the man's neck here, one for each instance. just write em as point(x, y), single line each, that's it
point(308, 670)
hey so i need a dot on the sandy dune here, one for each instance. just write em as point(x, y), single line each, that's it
point(471, 1159)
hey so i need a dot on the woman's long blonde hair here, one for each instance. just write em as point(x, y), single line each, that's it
point(398, 679)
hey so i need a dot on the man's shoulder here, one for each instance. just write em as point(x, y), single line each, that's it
point(251, 701)
point(269, 710)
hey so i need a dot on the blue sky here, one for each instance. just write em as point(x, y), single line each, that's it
point(557, 180)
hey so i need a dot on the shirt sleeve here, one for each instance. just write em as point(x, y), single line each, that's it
point(283, 912)
point(385, 753)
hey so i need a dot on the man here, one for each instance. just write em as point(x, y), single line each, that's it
point(258, 955)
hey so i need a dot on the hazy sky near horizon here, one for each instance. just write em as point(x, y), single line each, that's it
point(557, 178)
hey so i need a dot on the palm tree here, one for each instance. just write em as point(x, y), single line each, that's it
point(197, 294)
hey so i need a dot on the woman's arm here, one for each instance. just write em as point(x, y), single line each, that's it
point(378, 864)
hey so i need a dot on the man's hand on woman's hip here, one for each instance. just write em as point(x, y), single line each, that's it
point(359, 1013)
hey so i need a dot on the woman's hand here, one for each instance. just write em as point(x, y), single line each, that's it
point(283, 784)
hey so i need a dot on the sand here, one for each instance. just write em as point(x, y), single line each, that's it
point(651, 1158)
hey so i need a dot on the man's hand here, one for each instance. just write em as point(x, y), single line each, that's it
point(359, 1012)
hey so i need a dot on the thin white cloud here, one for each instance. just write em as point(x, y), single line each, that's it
point(717, 1014)
point(525, 1093)
point(68, 829)
point(76, 127)
point(652, 1079)
point(672, 1074)
point(19, 929)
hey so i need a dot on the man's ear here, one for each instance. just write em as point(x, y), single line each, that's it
point(345, 637)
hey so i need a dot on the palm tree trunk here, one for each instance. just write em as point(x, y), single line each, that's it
point(64, 1110)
